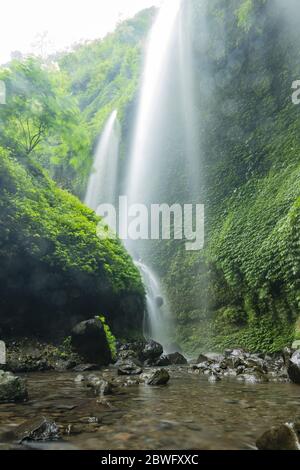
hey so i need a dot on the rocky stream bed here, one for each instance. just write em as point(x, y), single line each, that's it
point(147, 400)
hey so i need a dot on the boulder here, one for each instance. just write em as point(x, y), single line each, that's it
point(293, 367)
point(163, 361)
point(99, 386)
point(176, 359)
point(151, 351)
point(214, 357)
point(12, 388)
point(238, 352)
point(79, 379)
point(159, 377)
point(89, 341)
point(129, 355)
point(39, 429)
point(283, 437)
point(128, 368)
point(253, 378)
point(201, 359)
point(64, 365)
point(256, 362)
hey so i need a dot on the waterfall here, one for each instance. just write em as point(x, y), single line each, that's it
point(102, 183)
point(165, 142)
point(153, 88)
point(145, 173)
point(157, 320)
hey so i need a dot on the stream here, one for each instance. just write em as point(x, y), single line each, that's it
point(188, 413)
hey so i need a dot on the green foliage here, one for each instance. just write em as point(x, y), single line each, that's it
point(111, 340)
point(49, 243)
point(243, 14)
point(41, 119)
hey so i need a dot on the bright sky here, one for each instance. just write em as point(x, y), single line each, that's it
point(65, 21)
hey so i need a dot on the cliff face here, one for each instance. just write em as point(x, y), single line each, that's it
point(243, 290)
point(54, 270)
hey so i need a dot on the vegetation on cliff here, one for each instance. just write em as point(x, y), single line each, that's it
point(54, 268)
point(243, 289)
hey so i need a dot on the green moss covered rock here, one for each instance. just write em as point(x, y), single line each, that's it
point(54, 270)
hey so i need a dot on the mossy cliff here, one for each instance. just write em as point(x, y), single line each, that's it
point(54, 270)
point(244, 289)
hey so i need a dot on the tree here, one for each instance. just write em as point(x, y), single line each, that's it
point(41, 119)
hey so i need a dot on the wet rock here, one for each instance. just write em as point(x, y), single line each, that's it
point(129, 368)
point(286, 355)
point(19, 364)
point(99, 385)
point(201, 359)
point(203, 365)
point(159, 377)
point(214, 378)
point(159, 301)
point(235, 361)
point(238, 352)
point(85, 368)
point(136, 346)
point(293, 368)
point(89, 340)
point(163, 361)
point(239, 370)
point(214, 357)
point(282, 437)
point(62, 366)
point(79, 378)
point(255, 378)
point(223, 365)
point(127, 347)
point(12, 388)
point(151, 351)
point(256, 362)
point(127, 381)
point(128, 355)
point(176, 359)
point(40, 429)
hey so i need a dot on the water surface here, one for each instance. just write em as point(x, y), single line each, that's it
point(189, 413)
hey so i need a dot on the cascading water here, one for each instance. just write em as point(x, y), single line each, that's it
point(155, 323)
point(153, 88)
point(164, 143)
point(103, 179)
